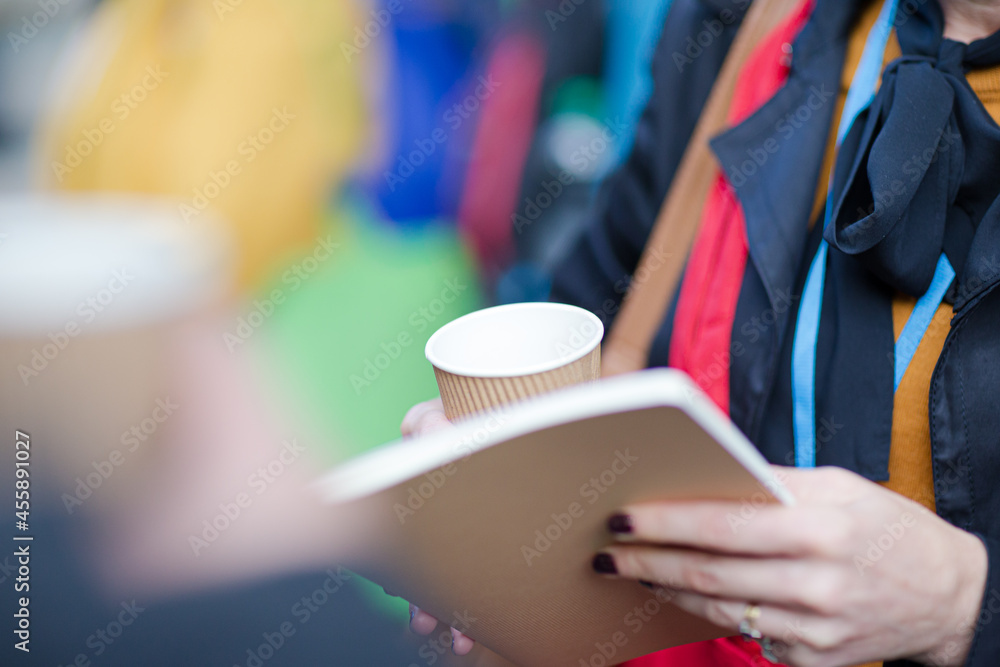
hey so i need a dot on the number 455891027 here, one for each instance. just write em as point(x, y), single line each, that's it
point(22, 485)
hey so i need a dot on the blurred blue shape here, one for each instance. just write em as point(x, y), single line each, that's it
point(633, 30)
point(428, 64)
point(522, 282)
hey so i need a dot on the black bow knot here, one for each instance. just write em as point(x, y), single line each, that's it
point(914, 186)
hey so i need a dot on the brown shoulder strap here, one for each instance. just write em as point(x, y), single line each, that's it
point(659, 270)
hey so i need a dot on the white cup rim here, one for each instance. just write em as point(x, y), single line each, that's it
point(530, 369)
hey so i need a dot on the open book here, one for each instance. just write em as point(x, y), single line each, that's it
point(491, 526)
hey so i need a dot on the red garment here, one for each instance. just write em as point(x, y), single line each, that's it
point(503, 138)
point(728, 652)
point(706, 307)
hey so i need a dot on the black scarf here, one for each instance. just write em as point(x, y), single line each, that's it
point(918, 174)
point(926, 165)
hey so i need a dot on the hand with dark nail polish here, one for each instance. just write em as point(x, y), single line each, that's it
point(604, 564)
point(620, 524)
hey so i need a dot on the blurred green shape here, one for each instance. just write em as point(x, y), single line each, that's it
point(578, 94)
point(348, 342)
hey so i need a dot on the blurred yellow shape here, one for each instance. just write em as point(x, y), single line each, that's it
point(250, 109)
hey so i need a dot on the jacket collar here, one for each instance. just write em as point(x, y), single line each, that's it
point(773, 158)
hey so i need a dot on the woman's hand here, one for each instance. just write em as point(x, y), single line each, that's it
point(421, 419)
point(424, 418)
point(854, 572)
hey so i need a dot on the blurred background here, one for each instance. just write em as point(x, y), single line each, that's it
point(346, 177)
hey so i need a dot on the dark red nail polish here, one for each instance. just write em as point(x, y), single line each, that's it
point(604, 564)
point(620, 524)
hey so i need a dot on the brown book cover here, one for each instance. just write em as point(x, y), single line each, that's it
point(492, 525)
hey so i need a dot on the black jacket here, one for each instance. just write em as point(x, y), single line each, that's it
point(776, 198)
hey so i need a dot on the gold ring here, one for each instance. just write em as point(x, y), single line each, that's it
point(748, 624)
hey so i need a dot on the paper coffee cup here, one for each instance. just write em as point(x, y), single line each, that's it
point(509, 353)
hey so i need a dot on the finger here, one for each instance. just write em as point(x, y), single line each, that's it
point(421, 622)
point(806, 632)
point(765, 530)
point(806, 585)
point(460, 644)
point(424, 418)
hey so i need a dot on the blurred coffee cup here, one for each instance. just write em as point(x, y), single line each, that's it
point(90, 287)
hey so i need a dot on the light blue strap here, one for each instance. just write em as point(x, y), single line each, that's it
point(920, 319)
point(859, 96)
point(865, 81)
point(804, 362)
